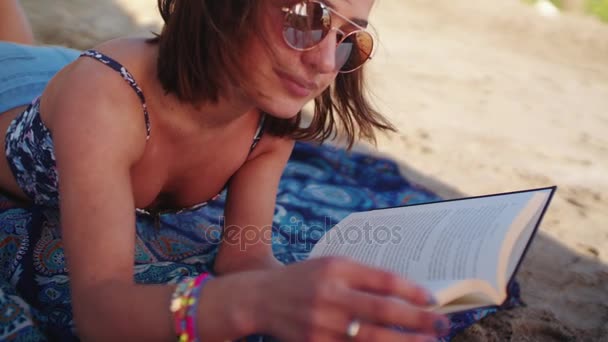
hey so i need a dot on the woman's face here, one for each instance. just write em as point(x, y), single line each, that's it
point(286, 79)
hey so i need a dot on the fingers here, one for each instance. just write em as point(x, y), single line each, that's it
point(368, 332)
point(339, 290)
point(386, 311)
point(357, 330)
point(333, 326)
point(377, 297)
point(375, 280)
point(372, 332)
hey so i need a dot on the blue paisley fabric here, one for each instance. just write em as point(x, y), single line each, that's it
point(320, 186)
point(29, 150)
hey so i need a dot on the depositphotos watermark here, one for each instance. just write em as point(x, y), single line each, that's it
point(298, 233)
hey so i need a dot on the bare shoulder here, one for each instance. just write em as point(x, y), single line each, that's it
point(90, 98)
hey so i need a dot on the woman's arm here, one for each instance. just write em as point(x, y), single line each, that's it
point(95, 147)
point(246, 242)
point(98, 135)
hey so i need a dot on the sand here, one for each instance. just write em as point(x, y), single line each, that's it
point(487, 97)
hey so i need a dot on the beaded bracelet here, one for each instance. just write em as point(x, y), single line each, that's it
point(183, 306)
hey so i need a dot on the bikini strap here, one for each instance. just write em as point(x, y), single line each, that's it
point(259, 133)
point(126, 75)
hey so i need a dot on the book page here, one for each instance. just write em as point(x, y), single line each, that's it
point(436, 242)
point(516, 245)
point(471, 291)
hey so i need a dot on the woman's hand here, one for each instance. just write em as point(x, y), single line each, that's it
point(316, 300)
point(249, 262)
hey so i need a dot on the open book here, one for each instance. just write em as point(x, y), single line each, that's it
point(465, 251)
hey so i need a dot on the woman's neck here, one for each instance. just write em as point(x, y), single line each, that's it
point(222, 113)
point(231, 106)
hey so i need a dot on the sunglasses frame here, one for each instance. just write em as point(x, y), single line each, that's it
point(289, 11)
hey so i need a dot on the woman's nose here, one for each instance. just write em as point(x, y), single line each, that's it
point(323, 57)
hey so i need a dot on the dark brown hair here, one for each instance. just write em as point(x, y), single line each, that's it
point(200, 50)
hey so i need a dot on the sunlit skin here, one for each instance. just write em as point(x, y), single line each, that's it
point(107, 169)
point(313, 70)
point(179, 127)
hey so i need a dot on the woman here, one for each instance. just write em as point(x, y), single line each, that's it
point(137, 128)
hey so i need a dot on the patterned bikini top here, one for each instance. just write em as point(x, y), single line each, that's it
point(30, 152)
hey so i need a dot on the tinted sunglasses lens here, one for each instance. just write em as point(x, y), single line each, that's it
point(355, 50)
point(306, 25)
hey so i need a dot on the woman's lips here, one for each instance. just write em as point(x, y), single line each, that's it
point(296, 86)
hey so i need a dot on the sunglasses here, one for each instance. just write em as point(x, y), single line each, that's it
point(307, 23)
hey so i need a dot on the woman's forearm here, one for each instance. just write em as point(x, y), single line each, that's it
point(125, 312)
point(141, 312)
point(239, 299)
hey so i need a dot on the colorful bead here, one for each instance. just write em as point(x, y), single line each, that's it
point(184, 306)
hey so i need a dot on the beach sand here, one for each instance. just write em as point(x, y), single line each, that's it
point(487, 97)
